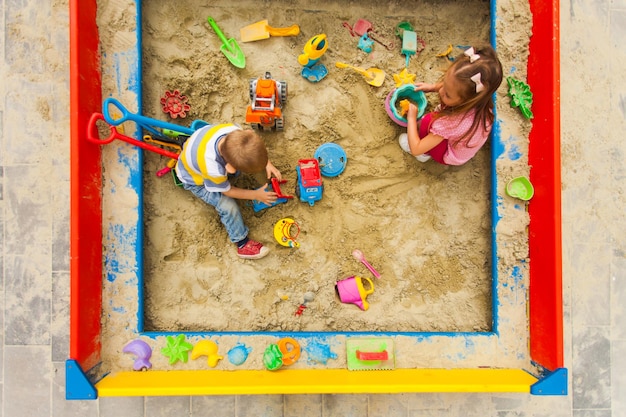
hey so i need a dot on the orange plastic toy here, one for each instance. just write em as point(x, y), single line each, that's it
point(268, 97)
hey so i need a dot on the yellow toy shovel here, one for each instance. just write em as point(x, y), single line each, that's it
point(373, 76)
point(261, 30)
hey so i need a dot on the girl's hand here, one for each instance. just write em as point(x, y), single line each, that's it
point(267, 197)
point(270, 170)
point(412, 112)
point(425, 87)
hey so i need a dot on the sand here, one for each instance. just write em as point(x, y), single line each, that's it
point(425, 227)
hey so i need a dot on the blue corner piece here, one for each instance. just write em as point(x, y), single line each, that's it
point(77, 385)
point(554, 383)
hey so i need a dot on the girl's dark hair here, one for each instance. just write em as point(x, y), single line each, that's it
point(490, 69)
point(245, 151)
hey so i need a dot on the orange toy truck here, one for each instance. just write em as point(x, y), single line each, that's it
point(268, 98)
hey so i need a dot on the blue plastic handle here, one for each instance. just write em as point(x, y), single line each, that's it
point(145, 122)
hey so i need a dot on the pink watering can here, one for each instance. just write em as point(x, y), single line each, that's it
point(352, 290)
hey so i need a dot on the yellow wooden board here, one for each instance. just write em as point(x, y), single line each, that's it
point(335, 381)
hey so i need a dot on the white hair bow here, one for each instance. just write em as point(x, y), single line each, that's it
point(471, 54)
point(477, 80)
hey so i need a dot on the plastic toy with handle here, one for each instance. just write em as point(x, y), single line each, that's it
point(262, 30)
point(229, 48)
point(311, 54)
point(358, 255)
point(352, 291)
point(281, 198)
point(147, 123)
point(94, 137)
point(373, 76)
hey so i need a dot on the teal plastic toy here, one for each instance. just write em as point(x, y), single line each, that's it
point(395, 96)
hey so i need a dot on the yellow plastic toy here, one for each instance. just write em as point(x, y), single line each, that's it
point(447, 52)
point(206, 348)
point(313, 50)
point(404, 77)
point(284, 234)
point(404, 107)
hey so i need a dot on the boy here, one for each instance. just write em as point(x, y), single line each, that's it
point(209, 157)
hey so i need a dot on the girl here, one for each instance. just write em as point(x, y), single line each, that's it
point(460, 125)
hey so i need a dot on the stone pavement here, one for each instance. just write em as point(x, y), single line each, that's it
point(34, 237)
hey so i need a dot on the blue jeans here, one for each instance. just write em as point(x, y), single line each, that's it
point(226, 207)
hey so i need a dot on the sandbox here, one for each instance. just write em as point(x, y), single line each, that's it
point(487, 361)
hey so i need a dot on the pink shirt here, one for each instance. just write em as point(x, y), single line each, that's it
point(452, 128)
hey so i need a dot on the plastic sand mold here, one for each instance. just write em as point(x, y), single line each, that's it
point(332, 159)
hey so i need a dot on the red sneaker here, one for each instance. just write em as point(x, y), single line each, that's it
point(252, 250)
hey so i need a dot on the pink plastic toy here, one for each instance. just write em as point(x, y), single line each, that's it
point(358, 255)
point(351, 290)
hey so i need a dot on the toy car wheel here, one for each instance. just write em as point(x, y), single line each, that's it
point(282, 90)
point(255, 126)
point(280, 125)
point(252, 88)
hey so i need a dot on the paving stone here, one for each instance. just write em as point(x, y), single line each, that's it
point(27, 378)
point(386, 405)
point(591, 382)
point(591, 285)
point(121, 406)
point(261, 406)
point(167, 406)
point(213, 406)
point(345, 405)
point(618, 377)
point(59, 323)
point(27, 301)
point(303, 405)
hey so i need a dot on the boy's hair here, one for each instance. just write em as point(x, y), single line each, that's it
point(463, 69)
point(245, 151)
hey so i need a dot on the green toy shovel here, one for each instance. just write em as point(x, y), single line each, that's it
point(229, 47)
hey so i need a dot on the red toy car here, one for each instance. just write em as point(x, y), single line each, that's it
point(310, 186)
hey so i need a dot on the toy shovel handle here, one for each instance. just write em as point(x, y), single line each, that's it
point(143, 121)
point(93, 134)
point(371, 268)
point(357, 69)
point(293, 30)
point(217, 30)
point(125, 114)
point(344, 65)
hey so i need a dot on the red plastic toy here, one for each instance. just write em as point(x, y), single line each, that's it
point(372, 356)
point(175, 104)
